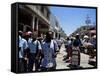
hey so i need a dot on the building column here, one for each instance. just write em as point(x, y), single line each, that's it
point(33, 22)
point(37, 24)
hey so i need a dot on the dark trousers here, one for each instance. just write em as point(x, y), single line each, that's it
point(69, 51)
point(47, 69)
point(37, 64)
point(22, 65)
point(32, 61)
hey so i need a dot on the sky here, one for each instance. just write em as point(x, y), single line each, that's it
point(71, 18)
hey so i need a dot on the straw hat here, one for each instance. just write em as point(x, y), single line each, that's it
point(86, 37)
point(94, 36)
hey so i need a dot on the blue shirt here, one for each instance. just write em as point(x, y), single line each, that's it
point(48, 50)
point(33, 45)
point(23, 45)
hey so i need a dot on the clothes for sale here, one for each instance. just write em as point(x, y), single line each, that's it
point(33, 45)
point(48, 50)
point(22, 45)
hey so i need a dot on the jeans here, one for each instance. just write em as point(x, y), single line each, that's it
point(32, 61)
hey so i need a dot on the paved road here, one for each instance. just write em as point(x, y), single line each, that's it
point(62, 65)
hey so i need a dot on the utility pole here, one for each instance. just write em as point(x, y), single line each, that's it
point(88, 20)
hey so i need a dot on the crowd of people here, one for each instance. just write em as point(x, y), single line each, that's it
point(36, 53)
point(81, 45)
point(40, 53)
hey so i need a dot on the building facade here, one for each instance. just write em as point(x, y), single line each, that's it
point(56, 27)
point(34, 18)
point(85, 30)
point(39, 20)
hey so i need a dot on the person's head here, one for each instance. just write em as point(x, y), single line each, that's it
point(34, 36)
point(20, 33)
point(77, 36)
point(67, 38)
point(29, 33)
point(26, 35)
point(49, 35)
point(72, 38)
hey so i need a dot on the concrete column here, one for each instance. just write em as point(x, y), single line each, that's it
point(33, 22)
point(37, 24)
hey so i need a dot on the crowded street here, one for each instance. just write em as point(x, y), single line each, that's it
point(50, 41)
point(62, 65)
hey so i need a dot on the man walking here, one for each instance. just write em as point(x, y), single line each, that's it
point(22, 66)
point(49, 48)
point(35, 48)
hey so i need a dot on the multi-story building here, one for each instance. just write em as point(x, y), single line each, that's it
point(38, 19)
point(35, 18)
point(85, 30)
point(56, 28)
